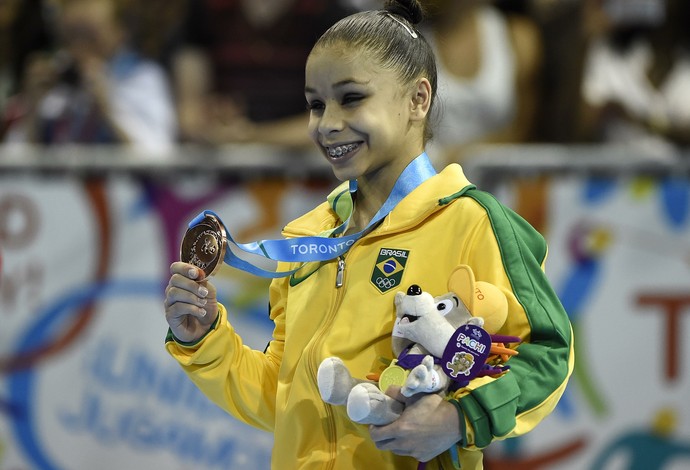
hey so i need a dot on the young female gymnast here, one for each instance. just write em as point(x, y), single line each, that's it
point(370, 88)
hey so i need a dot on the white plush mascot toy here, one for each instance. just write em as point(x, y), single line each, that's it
point(440, 343)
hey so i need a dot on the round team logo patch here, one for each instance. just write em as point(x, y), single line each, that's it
point(388, 269)
point(466, 353)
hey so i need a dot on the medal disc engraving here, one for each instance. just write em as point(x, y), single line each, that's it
point(393, 375)
point(204, 245)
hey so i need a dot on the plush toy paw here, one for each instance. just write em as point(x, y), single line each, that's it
point(335, 381)
point(367, 404)
point(424, 378)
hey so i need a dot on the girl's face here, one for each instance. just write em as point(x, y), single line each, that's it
point(361, 116)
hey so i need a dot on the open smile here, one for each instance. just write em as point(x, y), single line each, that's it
point(340, 151)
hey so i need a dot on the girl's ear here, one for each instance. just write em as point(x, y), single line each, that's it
point(421, 100)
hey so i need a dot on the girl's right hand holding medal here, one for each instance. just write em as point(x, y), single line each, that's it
point(191, 306)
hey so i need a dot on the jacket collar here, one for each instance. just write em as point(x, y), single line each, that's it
point(418, 205)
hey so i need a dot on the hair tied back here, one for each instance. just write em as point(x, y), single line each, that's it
point(409, 30)
point(410, 10)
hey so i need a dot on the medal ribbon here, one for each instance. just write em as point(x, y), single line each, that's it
point(324, 246)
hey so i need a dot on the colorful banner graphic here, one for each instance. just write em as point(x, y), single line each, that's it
point(85, 381)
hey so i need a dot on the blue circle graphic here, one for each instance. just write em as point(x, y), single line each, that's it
point(390, 266)
point(48, 322)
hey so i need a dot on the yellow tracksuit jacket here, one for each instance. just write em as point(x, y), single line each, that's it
point(443, 223)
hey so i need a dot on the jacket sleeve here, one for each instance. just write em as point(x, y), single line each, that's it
point(238, 379)
point(507, 252)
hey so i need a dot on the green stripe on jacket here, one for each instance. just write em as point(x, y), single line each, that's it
point(542, 365)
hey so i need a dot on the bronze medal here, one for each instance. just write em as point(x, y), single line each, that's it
point(204, 245)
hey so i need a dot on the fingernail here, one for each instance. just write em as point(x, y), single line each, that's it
point(203, 292)
point(192, 273)
point(203, 301)
point(203, 312)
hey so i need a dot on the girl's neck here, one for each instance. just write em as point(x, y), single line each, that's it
point(373, 189)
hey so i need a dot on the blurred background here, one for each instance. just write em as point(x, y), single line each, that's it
point(121, 120)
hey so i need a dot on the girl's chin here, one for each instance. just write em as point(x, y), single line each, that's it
point(345, 169)
point(345, 174)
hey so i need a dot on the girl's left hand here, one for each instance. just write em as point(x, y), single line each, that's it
point(428, 427)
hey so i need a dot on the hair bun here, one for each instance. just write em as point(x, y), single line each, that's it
point(411, 10)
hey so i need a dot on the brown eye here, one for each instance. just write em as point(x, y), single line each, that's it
point(314, 106)
point(352, 98)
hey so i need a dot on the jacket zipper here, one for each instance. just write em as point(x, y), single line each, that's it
point(318, 339)
point(339, 281)
point(341, 271)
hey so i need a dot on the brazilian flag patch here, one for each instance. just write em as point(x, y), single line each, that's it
point(389, 267)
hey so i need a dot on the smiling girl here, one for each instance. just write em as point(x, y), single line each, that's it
point(370, 87)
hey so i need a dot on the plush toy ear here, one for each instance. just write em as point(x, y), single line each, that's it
point(481, 298)
point(491, 304)
point(461, 281)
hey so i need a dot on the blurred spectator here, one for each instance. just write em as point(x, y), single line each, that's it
point(240, 73)
point(636, 81)
point(95, 88)
point(156, 27)
point(23, 30)
point(561, 71)
point(488, 65)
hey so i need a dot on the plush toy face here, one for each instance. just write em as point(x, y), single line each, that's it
point(427, 321)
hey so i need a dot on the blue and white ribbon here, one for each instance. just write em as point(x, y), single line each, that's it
point(326, 245)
